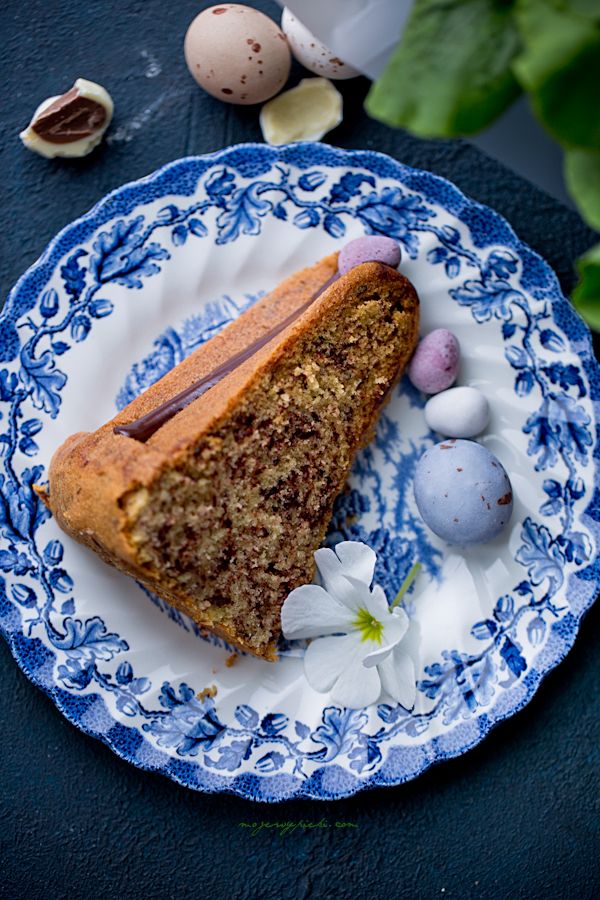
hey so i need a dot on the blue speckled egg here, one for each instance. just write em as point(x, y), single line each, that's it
point(463, 492)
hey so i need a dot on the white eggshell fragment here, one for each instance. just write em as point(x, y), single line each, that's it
point(304, 113)
point(460, 412)
point(237, 54)
point(311, 52)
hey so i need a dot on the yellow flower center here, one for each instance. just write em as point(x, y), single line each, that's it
point(371, 629)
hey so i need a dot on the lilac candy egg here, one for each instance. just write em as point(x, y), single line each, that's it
point(369, 249)
point(463, 492)
point(435, 362)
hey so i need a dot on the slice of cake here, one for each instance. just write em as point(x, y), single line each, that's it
point(215, 487)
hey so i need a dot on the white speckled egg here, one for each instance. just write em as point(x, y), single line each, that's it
point(311, 52)
point(460, 412)
point(237, 54)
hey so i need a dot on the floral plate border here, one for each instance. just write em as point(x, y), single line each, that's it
point(485, 227)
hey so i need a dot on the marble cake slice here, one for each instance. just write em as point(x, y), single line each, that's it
point(220, 510)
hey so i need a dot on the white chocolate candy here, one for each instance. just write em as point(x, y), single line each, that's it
point(460, 412)
point(304, 113)
point(75, 124)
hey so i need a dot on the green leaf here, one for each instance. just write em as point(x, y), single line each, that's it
point(586, 295)
point(451, 73)
point(560, 67)
point(582, 172)
point(590, 9)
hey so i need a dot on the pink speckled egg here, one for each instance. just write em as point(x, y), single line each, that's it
point(371, 248)
point(237, 54)
point(435, 362)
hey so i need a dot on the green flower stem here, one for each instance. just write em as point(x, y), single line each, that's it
point(413, 572)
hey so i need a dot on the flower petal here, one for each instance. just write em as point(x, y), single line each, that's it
point(357, 686)
point(357, 559)
point(376, 603)
point(378, 655)
point(394, 629)
point(328, 565)
point(309, 611)
point(335, 583)
point(326, 658)
point(398, 677)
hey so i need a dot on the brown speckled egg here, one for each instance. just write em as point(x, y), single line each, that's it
point(237, 54)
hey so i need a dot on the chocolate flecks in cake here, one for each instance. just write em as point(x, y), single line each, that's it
point(264, 480)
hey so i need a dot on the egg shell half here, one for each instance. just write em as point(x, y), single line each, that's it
point(312, 53)
point(237, 54)
point(462, 492)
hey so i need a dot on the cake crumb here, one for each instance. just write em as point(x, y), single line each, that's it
point(231, 660)
point(207, 692)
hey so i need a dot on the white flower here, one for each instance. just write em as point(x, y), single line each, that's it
point(361, 654)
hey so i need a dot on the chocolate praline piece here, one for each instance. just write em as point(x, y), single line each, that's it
point(72, 124)
point(69, 118)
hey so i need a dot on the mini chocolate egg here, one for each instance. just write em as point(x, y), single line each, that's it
point(237, 54)
point(463, 492)
point(460, 412)
point(311, 52)
point(434, 365)
point(371, 248)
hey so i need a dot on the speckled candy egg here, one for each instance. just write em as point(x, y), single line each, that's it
point(463, 492)
point(460, 412)
point(371, 248)
point(311, 52)
point(237, 54)
point(435, 362)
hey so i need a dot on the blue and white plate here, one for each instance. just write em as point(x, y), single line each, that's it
point(158, 267)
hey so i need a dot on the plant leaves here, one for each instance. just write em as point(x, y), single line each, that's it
point(586, 295)
point(560, 67)
point(582, 172)
point(451, 73)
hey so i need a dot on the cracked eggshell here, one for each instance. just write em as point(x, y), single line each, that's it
point(237, 54)
point(312, 53)
point(304, 113)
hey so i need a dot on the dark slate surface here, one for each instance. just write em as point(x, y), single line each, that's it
point(516, 817)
